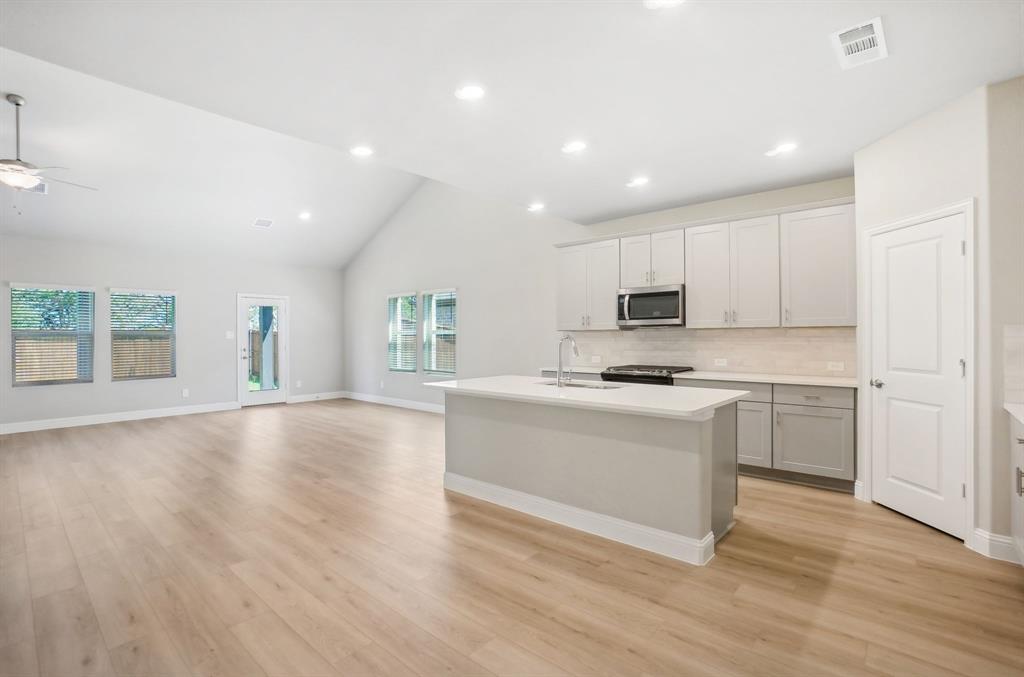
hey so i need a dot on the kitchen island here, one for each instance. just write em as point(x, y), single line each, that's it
point(650, 466)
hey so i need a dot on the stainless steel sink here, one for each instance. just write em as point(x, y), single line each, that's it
point(582, 384)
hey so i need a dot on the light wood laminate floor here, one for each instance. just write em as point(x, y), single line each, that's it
point(315, 539)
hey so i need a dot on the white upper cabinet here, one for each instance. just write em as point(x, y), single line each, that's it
point(603, 285)
point(635, 261)
point(572, 288)
point(667, 260)
point(819, 278)
point(754, 272)
point(707, 276)
point(588, 282)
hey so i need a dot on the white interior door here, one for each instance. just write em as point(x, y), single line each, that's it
point(635, 261)
point(262, 349)
point(707, 276)
point(919, 396)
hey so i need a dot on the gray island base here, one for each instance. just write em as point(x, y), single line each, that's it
point(649, 466)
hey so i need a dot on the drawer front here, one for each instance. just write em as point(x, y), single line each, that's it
point(759, 392)
point(815, 396)
point(814, 440)
point(754, 433)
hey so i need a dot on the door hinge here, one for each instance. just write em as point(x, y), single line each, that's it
point(963, 368)
point(963, 247)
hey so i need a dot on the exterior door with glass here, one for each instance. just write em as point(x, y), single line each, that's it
point(262, 349)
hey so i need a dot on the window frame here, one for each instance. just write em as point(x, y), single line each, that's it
point(174, 332)
point(416, 323)
point(76, 288)
point(423, 330)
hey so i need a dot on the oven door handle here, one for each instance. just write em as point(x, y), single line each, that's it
point(625, 307)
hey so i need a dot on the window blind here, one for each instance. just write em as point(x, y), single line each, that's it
point(51, 336)
point(142, 335)
point(439, 321)
point(402, 332)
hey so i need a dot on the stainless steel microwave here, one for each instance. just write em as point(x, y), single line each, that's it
point(652, 307)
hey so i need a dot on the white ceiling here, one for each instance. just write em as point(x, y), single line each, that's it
point(690, 96)
point(178, 177)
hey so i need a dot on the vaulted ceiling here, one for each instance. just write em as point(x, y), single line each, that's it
point(689, 96)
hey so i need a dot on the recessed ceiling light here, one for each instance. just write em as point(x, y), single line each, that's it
point(305, 216)
point(536, 207)
point(787, 147)
point(470, 92)
point(638, 181)
point(574, 146)
point(662, 4)
point(361, 151)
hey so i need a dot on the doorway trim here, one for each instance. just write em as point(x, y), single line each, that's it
point(285, 363)
point(862, 487)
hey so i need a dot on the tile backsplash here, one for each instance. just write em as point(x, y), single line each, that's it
point(799, 351)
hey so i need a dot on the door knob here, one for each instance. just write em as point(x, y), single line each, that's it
point(877, 383)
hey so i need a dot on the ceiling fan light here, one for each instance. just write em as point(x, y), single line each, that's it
point(20, 180)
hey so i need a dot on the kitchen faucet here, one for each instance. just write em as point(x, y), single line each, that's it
point(559, 377)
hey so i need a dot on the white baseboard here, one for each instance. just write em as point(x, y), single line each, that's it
point(115, 417)
point(676, 546)
point(996, 546)
point(313, 397)
point(396, 402)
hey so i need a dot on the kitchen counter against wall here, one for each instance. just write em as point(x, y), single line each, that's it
point(780, 379)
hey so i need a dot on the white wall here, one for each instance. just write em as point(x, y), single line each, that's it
point(732, 207)
point(498, 256)
point(206, 308)
point(968, 148)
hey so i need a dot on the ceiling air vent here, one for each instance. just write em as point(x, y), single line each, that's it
point(860, 44)
point(263, 223)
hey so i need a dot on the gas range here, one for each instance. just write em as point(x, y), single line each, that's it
point(642, 373)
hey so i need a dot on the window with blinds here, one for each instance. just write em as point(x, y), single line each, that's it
point(52, 336)
point(439, 331)
point(402, 332)
point(142, 342)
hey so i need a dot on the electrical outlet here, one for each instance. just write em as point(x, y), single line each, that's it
point(229, 334)
point(184, 393)
point(836, 366)
point(298, 384)
point(721, 362)
point(595, 359)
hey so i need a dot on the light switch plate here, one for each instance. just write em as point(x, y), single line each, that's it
point(229, 334)
point(836, 366)
point(298, 384)
point(184, 393)
point(595, 359)
point(721, 362)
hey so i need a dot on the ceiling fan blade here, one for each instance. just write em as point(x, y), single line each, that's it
point(40, 169)
point(69, 183)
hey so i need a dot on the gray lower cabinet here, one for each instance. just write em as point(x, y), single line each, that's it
point(754, 433)
point(814, 440)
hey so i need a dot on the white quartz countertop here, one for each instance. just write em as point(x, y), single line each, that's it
point(626, 398)
point(1016, 410)
point(781, 379)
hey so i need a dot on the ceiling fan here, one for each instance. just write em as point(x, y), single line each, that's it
point(22, 175)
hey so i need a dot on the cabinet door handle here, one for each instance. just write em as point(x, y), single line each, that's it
point(778, 418)
point(654, 276)
point(1019, 477)
point(583, 320)
point(725, 317)
point(787, 315)
point(734, 317)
